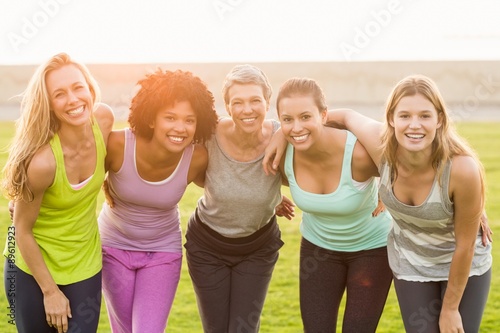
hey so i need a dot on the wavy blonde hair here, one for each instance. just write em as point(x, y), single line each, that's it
point(447, 142)
point(36, 126)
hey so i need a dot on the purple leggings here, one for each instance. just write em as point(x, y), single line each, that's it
point(139, 288)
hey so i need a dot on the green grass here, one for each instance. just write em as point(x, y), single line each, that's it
point(281, 311)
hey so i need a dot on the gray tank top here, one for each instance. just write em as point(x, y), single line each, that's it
point(239, 197)
point(422, 241)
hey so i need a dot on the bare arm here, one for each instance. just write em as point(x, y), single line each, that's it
point(105, 118)
point(40, 176)
point(198, 166)
point(367, 130)
point(465, 186)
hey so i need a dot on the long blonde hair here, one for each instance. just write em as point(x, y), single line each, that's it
point(447, 142)
point(36, 126)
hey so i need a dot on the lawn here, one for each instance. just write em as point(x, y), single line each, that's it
point(281, 311)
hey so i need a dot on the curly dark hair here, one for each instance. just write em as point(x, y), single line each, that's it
point(161, 89)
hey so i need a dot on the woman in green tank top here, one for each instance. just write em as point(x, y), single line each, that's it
point(54, 173)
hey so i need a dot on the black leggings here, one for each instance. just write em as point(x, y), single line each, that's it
point(325, 275)
point(420, 303)
point(26, 302)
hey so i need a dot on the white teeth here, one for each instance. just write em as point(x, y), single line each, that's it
point(176, 138)
point(300, 138)
point(248, 120)
point(415, 136)
point(76, 111)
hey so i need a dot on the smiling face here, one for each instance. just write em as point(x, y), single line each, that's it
point(69, 95)
point(301, 120)
point(247, 106)
point(415, 123)
point(174, 126)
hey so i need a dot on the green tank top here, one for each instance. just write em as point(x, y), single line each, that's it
point(66, 228)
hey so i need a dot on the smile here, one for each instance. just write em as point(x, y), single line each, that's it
point(415, 136)
point(301, 138)
point(176, 138)
point(248, 120)
point(76, 111)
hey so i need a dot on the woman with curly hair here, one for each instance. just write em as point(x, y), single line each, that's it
point(54, 173)
point(150, 165)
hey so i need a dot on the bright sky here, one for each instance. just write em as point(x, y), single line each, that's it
point(122, 31)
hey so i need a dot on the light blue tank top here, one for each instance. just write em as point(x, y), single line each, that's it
point(341, 220)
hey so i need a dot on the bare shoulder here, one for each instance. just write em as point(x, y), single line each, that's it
point(200, 154)
point(116, 140)
point(464, 170)
point(115, 150)
point(105, 118)
point(42, 169)
point(198, 166)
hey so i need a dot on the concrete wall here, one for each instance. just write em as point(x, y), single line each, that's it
point(470, 88)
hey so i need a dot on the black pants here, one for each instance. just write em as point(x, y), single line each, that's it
point(231, 276)
point(420, 303)
point(26, 302)
point(324, 277)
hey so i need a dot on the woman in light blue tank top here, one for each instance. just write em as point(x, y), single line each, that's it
point(332, 179)
point(433, 185)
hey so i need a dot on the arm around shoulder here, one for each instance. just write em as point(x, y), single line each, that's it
point(367, 130)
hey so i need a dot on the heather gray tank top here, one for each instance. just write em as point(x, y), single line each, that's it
point(239, 197)
point(422, 241)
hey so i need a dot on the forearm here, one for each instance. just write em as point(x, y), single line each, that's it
point(458, 277)
point(34, 260)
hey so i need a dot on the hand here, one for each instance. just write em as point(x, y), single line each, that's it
point(274, 152)
point(486, 233)
point(11, 210)
point(379, 209)
point(105, 188)
point(450, 321)
point(286, 208)
point(57, 310)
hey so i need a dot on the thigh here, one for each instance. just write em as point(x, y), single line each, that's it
point(25, 297)
point(322, 284)
point(155, 289)
point(420, 305)
point(118, 284)
point(250, 280)
point(211, 278)
point(368, 281)
point(474, 301)
point(85, 302)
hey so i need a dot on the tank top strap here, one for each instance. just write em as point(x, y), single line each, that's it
point(346, 175)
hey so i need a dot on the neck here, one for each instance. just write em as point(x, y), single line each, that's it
point(245, 140)
point(76, 137)
point(414, 160)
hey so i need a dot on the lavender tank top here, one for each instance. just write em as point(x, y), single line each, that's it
point(146, 215)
